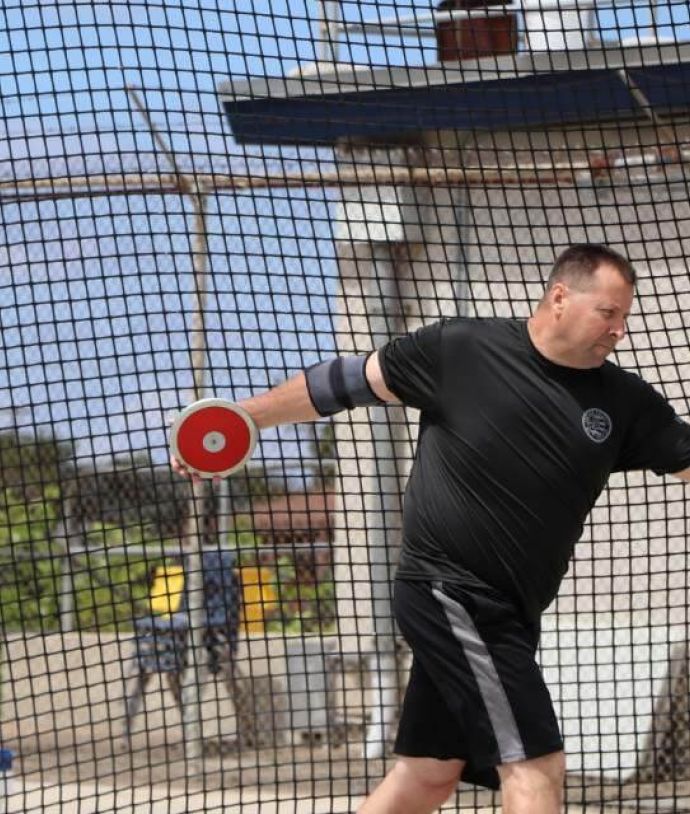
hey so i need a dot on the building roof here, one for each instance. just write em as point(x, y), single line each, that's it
point(524, 90)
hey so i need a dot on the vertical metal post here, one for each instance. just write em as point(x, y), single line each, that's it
point(66, 600)
point(654, 13)
point(191, 685)
point(329, 31)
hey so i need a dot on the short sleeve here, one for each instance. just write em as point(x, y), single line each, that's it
point(411, 365)
point(657, 438)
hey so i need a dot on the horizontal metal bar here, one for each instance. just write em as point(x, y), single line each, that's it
point(152, 553)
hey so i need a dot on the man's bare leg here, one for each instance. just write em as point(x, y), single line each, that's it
point(415, 785)
point(534, 786)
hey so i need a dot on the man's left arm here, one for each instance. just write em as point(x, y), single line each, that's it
point(659, 439)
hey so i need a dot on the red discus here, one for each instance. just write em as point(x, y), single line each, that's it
point(213, 438)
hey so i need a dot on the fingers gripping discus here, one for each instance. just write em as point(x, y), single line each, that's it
point(213, 438)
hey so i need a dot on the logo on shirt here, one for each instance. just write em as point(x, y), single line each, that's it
point(596, 424)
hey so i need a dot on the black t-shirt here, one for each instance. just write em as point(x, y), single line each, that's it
point(513, 451)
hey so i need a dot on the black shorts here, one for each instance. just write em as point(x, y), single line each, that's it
point(475, 691)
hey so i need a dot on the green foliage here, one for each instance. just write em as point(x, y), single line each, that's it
point(241, 536)
point(110, 588)
point(31, 464)
point(29, 572)
point(306, 599)
point(107, 586)
point(305, 589)
point(255, 481)
point(29, 575)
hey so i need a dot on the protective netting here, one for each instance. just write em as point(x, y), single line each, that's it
point(202, 198)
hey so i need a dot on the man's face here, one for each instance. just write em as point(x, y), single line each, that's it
point(592, 319)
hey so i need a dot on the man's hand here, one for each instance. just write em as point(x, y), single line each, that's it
point(179, 469)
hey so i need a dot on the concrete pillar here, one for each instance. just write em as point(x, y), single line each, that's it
point(397, 273)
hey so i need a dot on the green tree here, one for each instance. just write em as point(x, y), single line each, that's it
point(30, 464)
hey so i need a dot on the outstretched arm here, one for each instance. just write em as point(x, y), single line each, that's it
point(684, 474)
point(291, 403)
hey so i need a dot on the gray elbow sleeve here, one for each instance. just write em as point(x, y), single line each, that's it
point(340, 384)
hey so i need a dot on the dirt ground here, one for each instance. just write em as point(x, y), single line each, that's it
point(100, 775)
point(63, 715)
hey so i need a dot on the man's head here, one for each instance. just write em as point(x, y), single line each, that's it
point(587, 300)
point(577, 265)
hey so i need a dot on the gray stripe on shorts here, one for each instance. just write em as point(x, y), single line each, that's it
point(494, 696)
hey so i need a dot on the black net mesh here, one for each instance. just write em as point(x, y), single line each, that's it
point(203, 198)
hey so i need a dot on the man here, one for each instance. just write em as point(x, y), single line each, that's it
point(521, 424)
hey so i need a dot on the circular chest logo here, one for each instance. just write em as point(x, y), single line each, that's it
point(596, 424)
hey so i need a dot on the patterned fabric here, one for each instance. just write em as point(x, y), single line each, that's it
point(161, 641)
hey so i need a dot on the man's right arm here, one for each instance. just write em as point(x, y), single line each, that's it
point(290, 402)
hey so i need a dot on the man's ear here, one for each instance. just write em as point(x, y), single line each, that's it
point(557, 297)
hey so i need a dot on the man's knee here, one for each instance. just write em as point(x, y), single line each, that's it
point(542, 775)
point(429, 772)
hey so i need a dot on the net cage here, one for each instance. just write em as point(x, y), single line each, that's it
point(205, 198)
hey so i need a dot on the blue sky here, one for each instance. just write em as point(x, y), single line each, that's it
point(96, 305)
point(97, 309)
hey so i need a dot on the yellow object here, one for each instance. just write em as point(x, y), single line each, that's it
point(166, 589)
point(258, 597)
point(258, 594)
